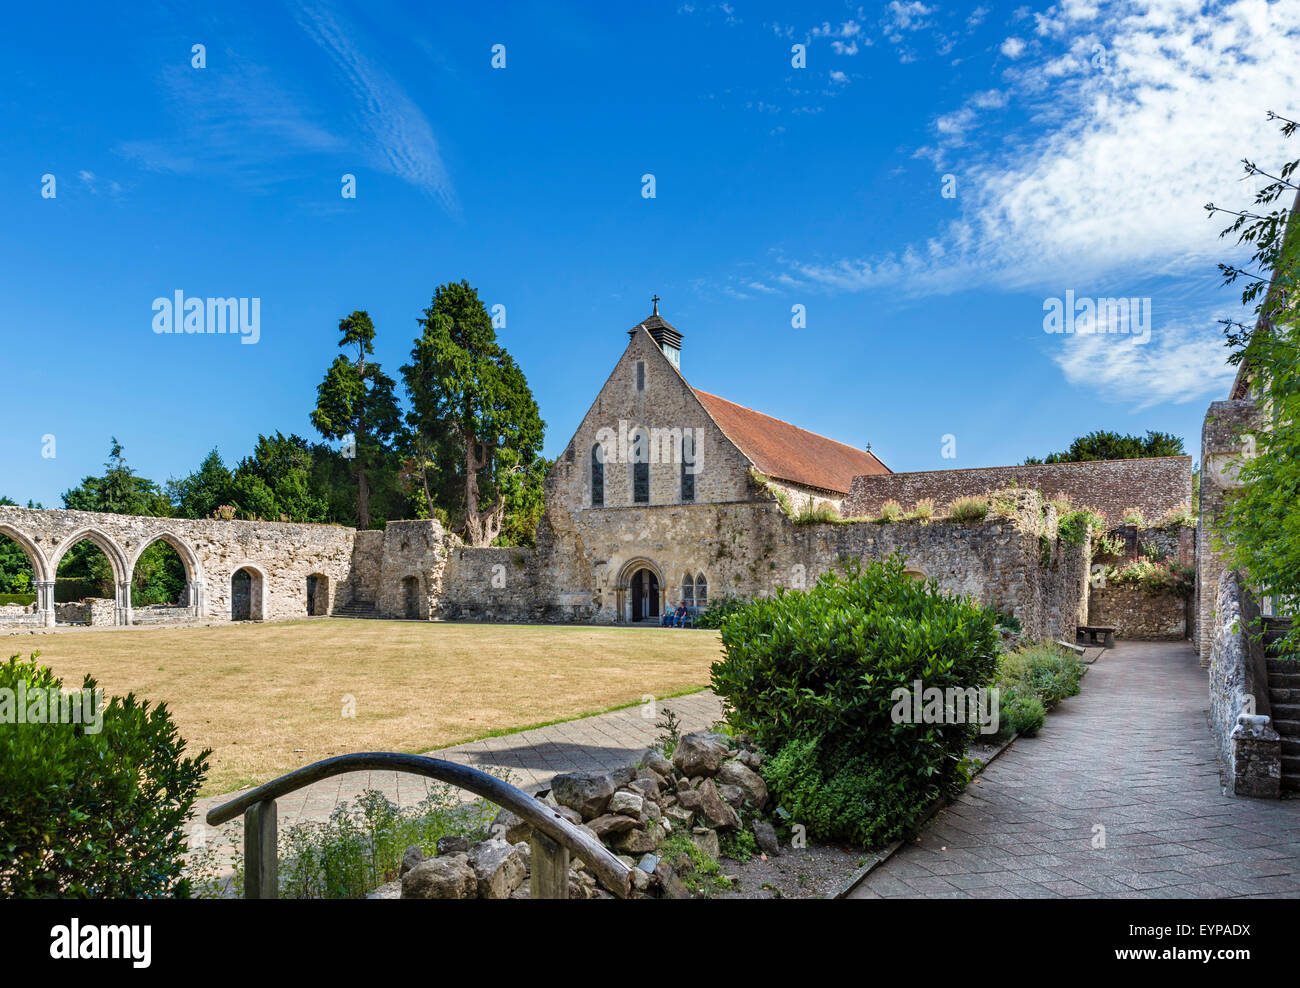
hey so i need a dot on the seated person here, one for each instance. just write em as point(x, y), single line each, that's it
point(679, 616)
point(667, 620)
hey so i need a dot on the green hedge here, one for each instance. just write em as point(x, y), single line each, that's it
point(812, 675)
point(17, 598)
point(92, 813)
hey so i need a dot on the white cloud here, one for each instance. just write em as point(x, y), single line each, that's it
point(839, 77)
point(909, 16)
point(1182, 362)
point(403, 139)
point(1012, 48)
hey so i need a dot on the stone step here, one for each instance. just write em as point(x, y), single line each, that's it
point(357, 609)
point(1291, 765)
point(1284, 695)
point(1287, 728)
point(1291, 783)
point(1285, 711)
point(1284, 680)
point(1290, 747)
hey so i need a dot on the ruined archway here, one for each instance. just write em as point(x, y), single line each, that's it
point(411, 598)
point(318, 595)
point(247, 594)
point(91, 580)
point(166, 581)
point(640, 590)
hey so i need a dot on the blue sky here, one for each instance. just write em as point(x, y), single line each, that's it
point(1083, 139)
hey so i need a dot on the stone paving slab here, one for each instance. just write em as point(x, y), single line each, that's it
point(1131, 754)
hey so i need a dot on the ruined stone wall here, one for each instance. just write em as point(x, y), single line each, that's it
point(1138, 615)
point(1156, 486)
point(367, 567)
point(1223, 442)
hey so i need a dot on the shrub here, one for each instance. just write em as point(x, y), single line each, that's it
point(1075, 526)
point(719, 610)
point(1154, 576)
point(820, 667)
point(1004, 620)
point(1134, 516)
point(923, 509)
point(17, 598)
point(1043, 671)
point(1180, 517)
point(969, 509)
point(890, 511)
point(812, 514)
point(1020, 714)
point(94, 814)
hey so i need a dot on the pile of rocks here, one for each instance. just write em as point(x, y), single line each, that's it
point(709, 787)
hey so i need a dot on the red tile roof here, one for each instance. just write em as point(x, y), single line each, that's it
point(785, 452)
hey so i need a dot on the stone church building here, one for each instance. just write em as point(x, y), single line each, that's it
point(665, 493)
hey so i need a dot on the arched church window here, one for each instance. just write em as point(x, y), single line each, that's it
point(688, 466)
point(597, 476)
point(640, 375)
point(641, 467)
point(701, 591)
point(688, 590)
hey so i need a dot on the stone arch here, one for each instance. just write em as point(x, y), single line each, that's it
point(116, 561)
point(915, 573)
point(41, 571)
point(256, 605)
point(195, 588)
point(623, 588)
point(701, 590)
point(112, 551)
point(413, 605)
point(318, 595)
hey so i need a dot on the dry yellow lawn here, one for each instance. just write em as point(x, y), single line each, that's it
point(270, 698)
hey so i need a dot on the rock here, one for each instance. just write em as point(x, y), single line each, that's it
point(498, 867)
point(586, 792)
point(510, 828)
point(683, 863)
point(453, 844)
point(648, 863)
point(699, 754)
point(673, 886)
point(636, 842)
point(570, 814)
point(707, 802)
point(627, 803)
point(707, 841)
point(751, 759)
point(640, 880)
point(691, 800)
point(765, 835)
point(610, 823)
point(525, 850)
point(653, 812)
point(680, 816)
point(410, 858)
point(734, 795)
point(654, 760)
point(449, 877)
point(735, 773)
point(647, 784)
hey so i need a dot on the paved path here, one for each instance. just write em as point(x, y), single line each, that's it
point(599, 743)
point(1131, 754)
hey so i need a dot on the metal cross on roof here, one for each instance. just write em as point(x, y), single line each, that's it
point(655, 300)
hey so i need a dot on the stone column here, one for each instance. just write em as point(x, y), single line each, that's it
point(195, 596)
point(45, 601)
point(123, 602)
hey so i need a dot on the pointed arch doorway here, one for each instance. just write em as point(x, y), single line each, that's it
point(645, 595)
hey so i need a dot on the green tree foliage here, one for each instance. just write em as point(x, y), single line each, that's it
point(16, 574)
point(356, 399)
point(1260, 527)
point(473, 415)
point(93, 814)
point(202, 492)
point(1103, 445)
point(120, 490)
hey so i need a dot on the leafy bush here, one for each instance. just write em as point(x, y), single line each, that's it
point(968, 509)
point(1154, 576)
point(719, 610)
point(818, 669)
point(1180, 517)
point(93, 814)
point(17, 598)
point(738, 845)
point(1043, 671)
point(1075, 526)
point(1004, 620)
point(1134, 516)
point(1019, 714)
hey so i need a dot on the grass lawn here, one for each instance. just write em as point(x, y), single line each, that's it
point(270, 698)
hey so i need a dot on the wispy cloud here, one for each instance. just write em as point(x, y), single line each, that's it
point(402, 140)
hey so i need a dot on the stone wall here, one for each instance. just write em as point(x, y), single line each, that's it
point(1223, 441)
point(1137, 614)
point(1250, 750)
point(1156, 486)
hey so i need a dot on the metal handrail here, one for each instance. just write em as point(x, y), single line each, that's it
point(553, 836)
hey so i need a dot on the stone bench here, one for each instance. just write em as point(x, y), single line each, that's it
point(1104, 632)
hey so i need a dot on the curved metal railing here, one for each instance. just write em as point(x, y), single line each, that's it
point(553, 836)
